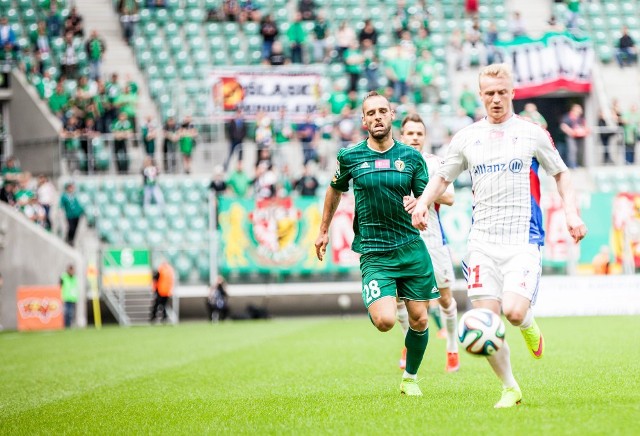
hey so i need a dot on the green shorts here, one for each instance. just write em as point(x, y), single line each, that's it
point(405, 273)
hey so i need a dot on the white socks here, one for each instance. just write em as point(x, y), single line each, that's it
point(450, 318)
point(407, 375)
point(501, 364)
point(403, 317)
point(527, 321)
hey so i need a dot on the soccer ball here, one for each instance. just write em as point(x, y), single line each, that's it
point(481, 332)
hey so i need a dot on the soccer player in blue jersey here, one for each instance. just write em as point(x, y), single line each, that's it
point(414, 133)
point(503, 153)
point(394, 260)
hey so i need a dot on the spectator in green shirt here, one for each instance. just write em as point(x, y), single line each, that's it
point(59, 101)
point(95, 48)
point(239, 182)
point(353, 60)
point(72, 209)
point(122, 131)
point(127, 102)
point(297, 38)
point(468, 101)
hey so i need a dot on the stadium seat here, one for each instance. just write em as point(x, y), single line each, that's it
point(171, 30)
point(140, 225)
point(132, 211)
point(183, 267)
point(178, 16)
point(158, 223)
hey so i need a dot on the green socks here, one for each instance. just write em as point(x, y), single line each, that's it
point(416, 343)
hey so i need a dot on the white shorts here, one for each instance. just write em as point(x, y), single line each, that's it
point(491, 269)
point(442, 265)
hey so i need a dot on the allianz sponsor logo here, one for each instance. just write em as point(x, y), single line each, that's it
point(515, 166)
point(489, 168)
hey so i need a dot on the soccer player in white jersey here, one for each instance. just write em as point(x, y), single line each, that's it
point(414, 133)
point(503, 152)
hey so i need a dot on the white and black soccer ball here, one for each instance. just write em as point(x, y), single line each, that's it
point(481, 332)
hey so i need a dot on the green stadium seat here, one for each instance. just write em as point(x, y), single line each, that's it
point(191, 30)
point(109, 212)
point(183, 267)
point(144, 17)
point(201, 58)
point(134, 238)
point(105, 228)
point(101, 198)
point(132, 211)
point(195, 15)
point(203, 266)
point(150, 29)
point(124, 225)
point(156, 43)
point(171, 211)
point(198, 224)
point(213, 29)
point(162, 59)
point(240, 57)
point(89, 186)
point(178, 16)
point(191, 4)
point(141, 225)
point(181, 58)
point(251, 29)
point(179, 224)
point(174, 238)
point(168, 73)
point(159, 224)
point(173, 197)
point(171, 30)
point(144, 58)
point(172, 4)
point(231, 29)
point(154, 238)
point(153, 212)
point(216, 43)
point(187, 72)
point(190, 210)
point(119, 198)
point(161, 17)
point(196, 44)
point(193, 238)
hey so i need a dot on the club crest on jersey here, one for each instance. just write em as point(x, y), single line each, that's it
point(515, 166)
point(399, 165)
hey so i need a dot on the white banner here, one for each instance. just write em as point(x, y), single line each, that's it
point(265, 90)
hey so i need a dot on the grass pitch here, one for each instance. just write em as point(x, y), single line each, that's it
point(311, 376)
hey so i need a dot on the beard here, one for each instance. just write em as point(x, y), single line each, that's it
point(381, 135)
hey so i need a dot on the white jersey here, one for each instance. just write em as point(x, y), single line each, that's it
point(503, 161)
point(434, 235)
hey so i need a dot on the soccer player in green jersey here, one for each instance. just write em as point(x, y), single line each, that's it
point(394, 260)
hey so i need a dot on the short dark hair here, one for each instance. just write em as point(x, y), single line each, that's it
point(373, 94)
point(412, 117)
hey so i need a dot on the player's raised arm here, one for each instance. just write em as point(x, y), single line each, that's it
point(331, 202)
point(576, 226)
point(435, 188)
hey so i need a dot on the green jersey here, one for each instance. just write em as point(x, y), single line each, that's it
point(380, 182)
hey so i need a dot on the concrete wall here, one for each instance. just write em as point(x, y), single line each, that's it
point(29, 255)
point(33, 128)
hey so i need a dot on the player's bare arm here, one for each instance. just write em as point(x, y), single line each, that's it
point(410, 202)
point(576, 226)
point(331, 202)
point(435, 188)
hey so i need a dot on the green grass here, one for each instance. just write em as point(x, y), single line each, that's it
point(310, 376)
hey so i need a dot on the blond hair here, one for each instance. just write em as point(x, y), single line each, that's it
point(496, 70)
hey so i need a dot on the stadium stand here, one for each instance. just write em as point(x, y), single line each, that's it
point(176, 47)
